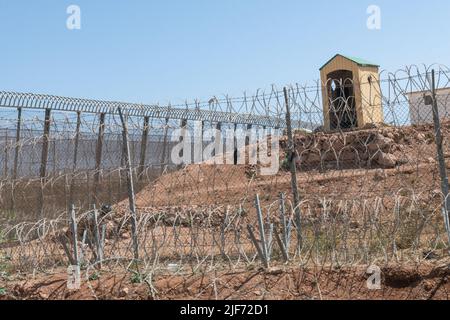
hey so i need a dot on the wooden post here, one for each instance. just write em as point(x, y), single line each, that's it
point(17, 149)
point(163, 156)
point(144, 141)
point(293, 169)
point(98, 154)
point(131, 195)
point(75, 157)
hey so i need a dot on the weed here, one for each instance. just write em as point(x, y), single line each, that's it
point(137, 278)
point(285, 165)
point(95, 276)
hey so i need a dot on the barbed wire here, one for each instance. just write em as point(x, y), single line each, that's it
point(367, 174)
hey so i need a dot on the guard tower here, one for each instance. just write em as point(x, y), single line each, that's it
point(351, 93)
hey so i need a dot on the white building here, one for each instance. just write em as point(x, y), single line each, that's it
point(420, 113)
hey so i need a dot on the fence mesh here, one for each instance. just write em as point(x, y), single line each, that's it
point(367, 172)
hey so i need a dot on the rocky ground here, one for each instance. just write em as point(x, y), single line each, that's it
point(425, 282)
point(366, 164)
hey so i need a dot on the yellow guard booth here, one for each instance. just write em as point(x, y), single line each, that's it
point(351, 93)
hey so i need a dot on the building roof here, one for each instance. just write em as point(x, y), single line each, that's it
point(360, 62)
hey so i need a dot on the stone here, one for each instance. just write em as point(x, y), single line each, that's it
point(386, 160)
point(421, 137)
point(430, 255)
point(428, 286)
point(354, 225)
point(436, 193)
point(379, 175)
point(380, 143)
point(275, 271)
point(313, 157)
point(43, 295)
point(402, 161)
point(124, 292)
point(349, 155)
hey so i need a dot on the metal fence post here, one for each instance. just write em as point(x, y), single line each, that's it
point(143, 147)
point(441, 156)
point(75, 157)
point(5, 169)
point(74, 229)
point(131, 194)
point(44, 158)
point(293, 169)
point(184, 129)
point(163, 155)
point(98, 154)
point(262, 232)
point(17, 147)
point(45, 144)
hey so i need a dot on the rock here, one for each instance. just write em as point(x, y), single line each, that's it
point(349, 154)
point(275, 271)
point(430, 255)
point(370, 126)
point(390, 135)
point(402, 161)
point(386, 160)
point(124, 292)
point(354, 225)
point(436, 193)
point(380, 143)
point(421, 137)
point(428, 286)
point(313, 157)
point(379, 175)
point(43, 295)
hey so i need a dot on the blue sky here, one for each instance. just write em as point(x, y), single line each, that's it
point(156, 51)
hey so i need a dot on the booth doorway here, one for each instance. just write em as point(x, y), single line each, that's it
point(341, 93)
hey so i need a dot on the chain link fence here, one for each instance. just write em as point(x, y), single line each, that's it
point(369, 181)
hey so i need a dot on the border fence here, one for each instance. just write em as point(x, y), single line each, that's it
point(349, 195)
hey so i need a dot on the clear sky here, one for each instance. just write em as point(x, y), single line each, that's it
point(150, 51)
